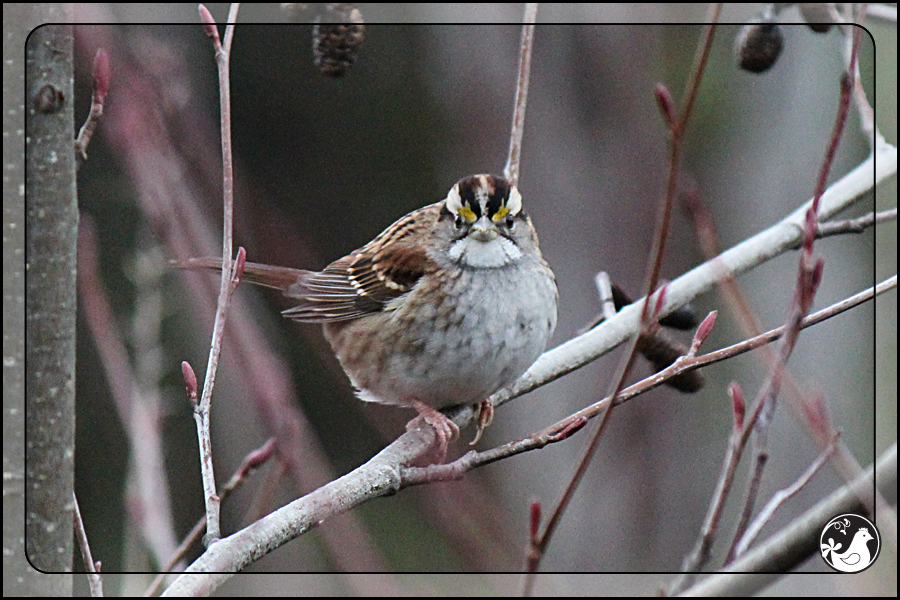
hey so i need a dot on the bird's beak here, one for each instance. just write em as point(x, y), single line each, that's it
point(484, 230)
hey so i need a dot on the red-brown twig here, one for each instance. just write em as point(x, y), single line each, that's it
point(533, 553)
point(795, 543)
point(100, 76)
point(676, 127)
point(705, 227)
point(511, 171)
point(701, 551)
point(809, 276)
point(779, 498)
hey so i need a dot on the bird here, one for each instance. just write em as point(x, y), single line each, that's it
point(449, 304)
point(855, 558)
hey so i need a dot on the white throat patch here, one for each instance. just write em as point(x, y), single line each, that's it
point(498, 252)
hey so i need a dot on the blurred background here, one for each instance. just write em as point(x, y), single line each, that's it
point(323, 165)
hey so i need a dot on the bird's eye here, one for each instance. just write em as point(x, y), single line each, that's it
point(510, 223)
point(459, 222)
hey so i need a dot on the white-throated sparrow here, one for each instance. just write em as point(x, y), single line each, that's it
point(445, 307)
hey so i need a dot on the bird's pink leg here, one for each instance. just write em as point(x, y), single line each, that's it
point(485, 416)
point(445, 430)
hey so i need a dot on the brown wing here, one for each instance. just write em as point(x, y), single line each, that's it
point(369, 278)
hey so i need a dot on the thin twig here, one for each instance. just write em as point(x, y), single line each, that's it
point(511, 171)
point(251, 462)
point(268, 386)
point(779, 498)
point(533, 554)
point(864, 108)
point(857, 225)
point(676, 135)
point(808, 278)
point(701, 551)
point(229, 270)
point(95, 582)
point(100, 76)
point(795, 543)
point(701, 57)
point(843, 461)
point(765, 402)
